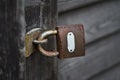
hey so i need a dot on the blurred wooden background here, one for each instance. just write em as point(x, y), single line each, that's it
point(101, 20)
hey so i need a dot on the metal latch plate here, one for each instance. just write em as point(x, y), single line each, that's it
point(29, 38)
point(70, 48)
point(70, 42)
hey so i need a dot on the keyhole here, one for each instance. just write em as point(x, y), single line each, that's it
point(71, 42)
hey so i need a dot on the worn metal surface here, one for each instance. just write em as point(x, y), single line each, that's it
point(36, 37)
point(78, 32)
point(29, 38)
point(42, 37)
point(70, 42)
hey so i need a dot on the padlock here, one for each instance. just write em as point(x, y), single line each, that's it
point(70, 41)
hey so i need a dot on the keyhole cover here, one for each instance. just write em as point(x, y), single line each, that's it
point(70, 42)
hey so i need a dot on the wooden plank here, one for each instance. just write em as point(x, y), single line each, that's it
point(39, 67)
point(65, 5)
point(112, 73)
point(98, 58)
point(11, 40)
point(101, 54)
point(99, 20)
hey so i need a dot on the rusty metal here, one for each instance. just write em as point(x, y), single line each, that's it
point(40, 41)
point(42, 37)
point(29, 38)
point(36, 37)
point(62, 46)
point(70, 41)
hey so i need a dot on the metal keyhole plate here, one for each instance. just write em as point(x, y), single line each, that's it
point(70, 42)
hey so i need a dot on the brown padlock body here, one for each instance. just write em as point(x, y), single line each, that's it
point(78, 32)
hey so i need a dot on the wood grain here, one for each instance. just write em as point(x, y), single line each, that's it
point(99, 20)
point(39, 67)
point(101, 23)
point(65, 5)
point(98, 58)
point(112, 73)
point(12, 31)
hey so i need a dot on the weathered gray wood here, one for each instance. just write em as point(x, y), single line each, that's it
point(98, 58)
point(99, 20)
point(39, 67)
point(12, 32)
point(112, 73)
point(65, 5)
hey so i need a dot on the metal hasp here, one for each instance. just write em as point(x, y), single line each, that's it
point(41, 38)
point(29, 38)
point(70, 41)
point(36, 37)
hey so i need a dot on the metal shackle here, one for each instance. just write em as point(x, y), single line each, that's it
point(42, 39)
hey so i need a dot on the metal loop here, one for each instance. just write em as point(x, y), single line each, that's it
point(42, 39)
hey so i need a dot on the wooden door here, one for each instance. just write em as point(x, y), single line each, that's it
point(16, 18)
point(41, 14)
point(12, 31)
